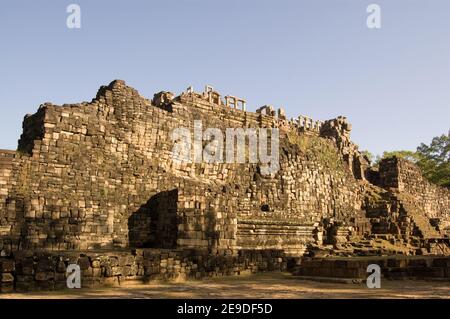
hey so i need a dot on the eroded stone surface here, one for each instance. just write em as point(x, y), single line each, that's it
point(100, 175)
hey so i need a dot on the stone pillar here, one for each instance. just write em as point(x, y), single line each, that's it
point(319, 125)
point(281, 114)
point(300, 121)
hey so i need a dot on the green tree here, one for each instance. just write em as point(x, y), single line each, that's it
point(434, 160)
point(369, 156)
point(408, 155)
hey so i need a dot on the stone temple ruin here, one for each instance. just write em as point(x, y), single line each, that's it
point(94, 184)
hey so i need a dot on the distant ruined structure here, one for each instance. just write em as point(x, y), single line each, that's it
point(94, 184)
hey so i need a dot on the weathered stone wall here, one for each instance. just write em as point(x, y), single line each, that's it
point(100, 177)
point(392, 267)
point(405, 177)
point(32, 270)
point(6, 215)
point(85, 176)
point(338, 130)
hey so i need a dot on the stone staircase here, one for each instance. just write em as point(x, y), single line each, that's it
point(422, 227)
point(398, 227)
point(400, 216)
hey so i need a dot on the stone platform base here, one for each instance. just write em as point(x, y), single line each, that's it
point(46, 270)
point(392, 267)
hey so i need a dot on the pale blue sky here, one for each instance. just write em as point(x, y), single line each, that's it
point(315, 58)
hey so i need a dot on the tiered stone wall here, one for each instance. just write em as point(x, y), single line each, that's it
point(6, 165)
point(32, 270)
point(85, 176)
point(405, 177)
point(101, 176)
point(338, 130)
point(392, 267)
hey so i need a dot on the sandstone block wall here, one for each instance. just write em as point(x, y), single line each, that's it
point(405, 177)
point(430, 268)
point(93, 175)
point(96, 184)
point(32, 270)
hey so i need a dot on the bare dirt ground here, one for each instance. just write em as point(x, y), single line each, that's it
point(265, 285)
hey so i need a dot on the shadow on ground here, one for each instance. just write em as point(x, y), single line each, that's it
point(259, 286)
